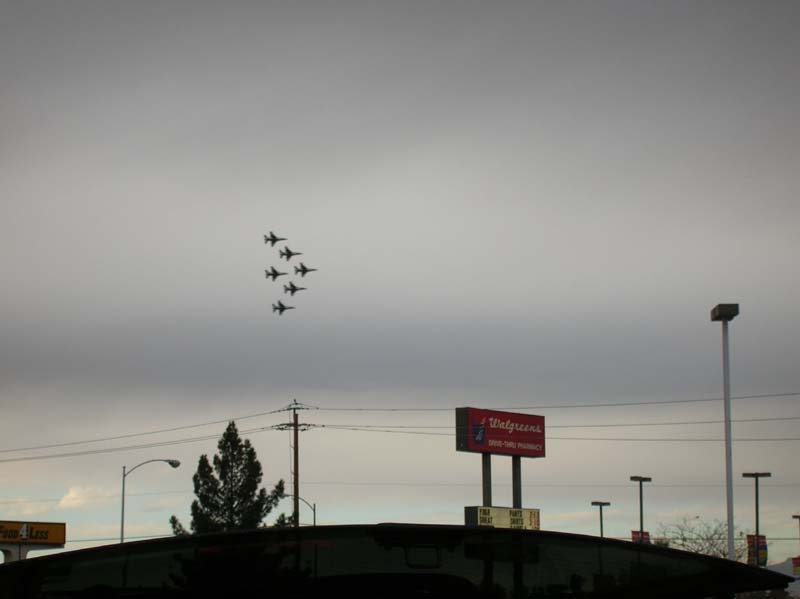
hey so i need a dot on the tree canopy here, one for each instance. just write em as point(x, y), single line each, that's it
point(709, 537)
point(228, 496)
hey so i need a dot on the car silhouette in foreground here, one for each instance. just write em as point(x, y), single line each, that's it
point(382, 560)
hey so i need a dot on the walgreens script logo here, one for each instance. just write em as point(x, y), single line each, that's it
point(512, 427)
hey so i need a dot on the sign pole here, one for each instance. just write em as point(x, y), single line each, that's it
point(487, 479)
point(516, 481)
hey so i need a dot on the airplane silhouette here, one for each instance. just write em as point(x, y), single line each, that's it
point(280, 308)
point(302, 270)
point(291, 288)
point(273, 239)
point(273, 274)
point(287, 253)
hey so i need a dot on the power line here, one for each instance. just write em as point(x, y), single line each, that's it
point(271, 412)
point(549, 438)
point(128, 447)
point(608, 425)
point(545, 485)
point(532, 485)
point(567, 406)
point(369, 430)
point(143, 434)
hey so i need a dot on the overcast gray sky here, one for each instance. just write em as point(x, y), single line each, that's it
point(511, 204)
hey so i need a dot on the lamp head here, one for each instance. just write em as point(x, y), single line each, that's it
point(724, 312)
point(174, 463)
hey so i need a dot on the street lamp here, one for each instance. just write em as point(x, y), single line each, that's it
point(640, 480)
point(756, 476)
point(313, 507)
point(601, 504)
point(125, 473)
point(724, 313)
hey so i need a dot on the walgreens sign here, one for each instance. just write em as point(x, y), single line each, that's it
point(506, 433)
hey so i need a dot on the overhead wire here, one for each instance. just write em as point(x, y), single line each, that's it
point(637, 439)
point(142, 434)
point(399, 429)
point(279, 410)
point(607, 425)
point(129, 447)
point(568, 406)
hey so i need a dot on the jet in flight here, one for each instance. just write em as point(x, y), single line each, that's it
point(287, 253)
point(273, 274)
point(273, 239)
point(280, 308)
point(302, 270)
point(291, 288)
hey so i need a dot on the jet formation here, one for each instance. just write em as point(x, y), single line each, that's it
point(273, 273)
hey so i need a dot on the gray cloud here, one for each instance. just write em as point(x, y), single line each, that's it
point(513, 205)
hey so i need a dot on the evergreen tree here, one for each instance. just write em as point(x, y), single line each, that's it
point(228, 497)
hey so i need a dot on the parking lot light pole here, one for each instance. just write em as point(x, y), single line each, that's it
point(640, 480)
point(601, 505)
point(755, 476)
point(724, 313)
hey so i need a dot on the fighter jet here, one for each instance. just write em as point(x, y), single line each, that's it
point(302, 270)
point(291, 288)
point(280, 308)
point(273, 239)
point(287, 253)
point(273, 274)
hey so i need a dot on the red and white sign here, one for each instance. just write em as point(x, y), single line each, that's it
point(506, 433)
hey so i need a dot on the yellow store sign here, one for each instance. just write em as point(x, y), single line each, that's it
point(33, 533)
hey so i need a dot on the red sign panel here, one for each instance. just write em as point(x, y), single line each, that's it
point(636, 537)
point(506, 433)
point(757, 557)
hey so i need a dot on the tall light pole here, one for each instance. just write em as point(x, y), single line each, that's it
point(724, 313)
point(601, 504)
point(125, 473)
point(640, 480)
point(755, 476)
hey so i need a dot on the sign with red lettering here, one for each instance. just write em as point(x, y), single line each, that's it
point(505, 433)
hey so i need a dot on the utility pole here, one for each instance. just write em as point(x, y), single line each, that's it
point(296, 510)
point(296, 427)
